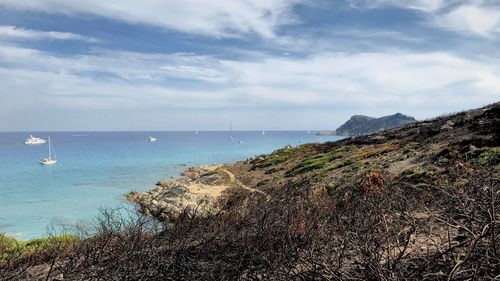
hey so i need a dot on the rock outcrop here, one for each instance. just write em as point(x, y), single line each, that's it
point(326, 133)
point(197, 192)
point(362, 125)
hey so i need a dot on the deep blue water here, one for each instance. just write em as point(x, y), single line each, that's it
point(96, 169)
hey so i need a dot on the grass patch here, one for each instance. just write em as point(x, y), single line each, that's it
point(317, 162)
point(352, 167)
point(483, 156)
point(371, 151)
point(11, 247)
point(338, 165)
point(275, 158)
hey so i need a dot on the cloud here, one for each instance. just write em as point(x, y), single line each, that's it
point(422, 5)
point(314, 70)
point(216, 18)
point(126, 80)
point(475, 19)
point(128, 66)
point(13, 32)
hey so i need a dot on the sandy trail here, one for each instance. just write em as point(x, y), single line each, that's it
point(197, 192)
point(238, 183)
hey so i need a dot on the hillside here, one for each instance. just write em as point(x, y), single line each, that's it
point(420, 202)
point(361, 125)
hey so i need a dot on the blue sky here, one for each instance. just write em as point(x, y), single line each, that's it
point(264, 64)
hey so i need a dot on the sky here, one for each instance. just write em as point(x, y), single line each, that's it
point(262, 64)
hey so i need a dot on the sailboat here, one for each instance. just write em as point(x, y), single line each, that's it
point(50, 160)
point(263, 132)
point(231, 130)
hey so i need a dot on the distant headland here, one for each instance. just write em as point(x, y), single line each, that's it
point(359, 125)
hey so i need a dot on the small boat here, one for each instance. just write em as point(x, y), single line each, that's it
point(196, 133)
point(51, 160)
point(34, 140)
point(263, 132)
point(308, 132)
point(231, 138)
point(151, 139)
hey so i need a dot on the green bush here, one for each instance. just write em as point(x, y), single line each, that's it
point(11, 247)
point(484, 156)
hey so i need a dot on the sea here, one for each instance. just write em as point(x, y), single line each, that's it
point(96, 170)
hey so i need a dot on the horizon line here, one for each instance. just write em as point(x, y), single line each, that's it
point(186, 130)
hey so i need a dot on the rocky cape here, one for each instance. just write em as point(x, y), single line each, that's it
point(362, 125)
point(197, 193)
point(406, 154)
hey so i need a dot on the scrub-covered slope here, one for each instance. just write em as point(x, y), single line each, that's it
point(420, 202)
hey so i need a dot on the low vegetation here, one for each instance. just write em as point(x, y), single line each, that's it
point(380, 230)
point(417, 203)
point(12, 248)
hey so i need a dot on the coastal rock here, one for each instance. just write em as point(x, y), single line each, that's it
point(165, 182)
point(195, 194)
point(326, 133)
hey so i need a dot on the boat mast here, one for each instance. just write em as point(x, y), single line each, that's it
point(50, 157)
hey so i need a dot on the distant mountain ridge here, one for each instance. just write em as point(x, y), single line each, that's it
point(361, 125)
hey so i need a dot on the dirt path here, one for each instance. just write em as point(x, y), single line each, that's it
point(244, 186)
point(195, 193)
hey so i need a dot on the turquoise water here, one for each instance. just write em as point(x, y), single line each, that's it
point(96, 169)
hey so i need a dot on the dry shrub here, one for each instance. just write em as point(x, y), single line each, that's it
point(299, 236)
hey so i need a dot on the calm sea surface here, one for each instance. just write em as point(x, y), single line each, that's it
point(96, 169)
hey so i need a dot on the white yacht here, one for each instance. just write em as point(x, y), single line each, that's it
point(151, 139)
point(51, 160)
point(34, 140)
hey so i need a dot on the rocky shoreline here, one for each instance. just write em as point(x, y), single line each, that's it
point(326, 133)
point(195, 193)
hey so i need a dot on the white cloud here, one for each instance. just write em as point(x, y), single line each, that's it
point(422, 5)
point(480, 20)
point(139, 81)
point(114, 81)
point(477, 17)
point(128, 66)
point(13, 32)
point(216, 17)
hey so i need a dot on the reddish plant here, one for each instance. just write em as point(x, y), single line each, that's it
point(373, 183)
